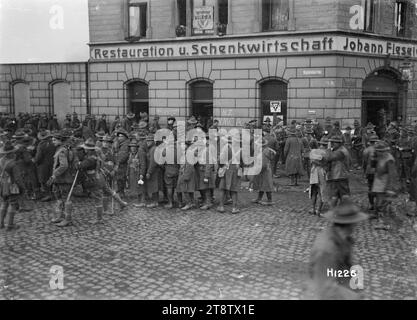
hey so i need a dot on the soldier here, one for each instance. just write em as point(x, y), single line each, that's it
point(129, 121)
point(67, 121)
point(262, 182)
point(153, 173)
point(309, 143)
point(102, 124)
point(206, 173)
point(385, 183)
point(155, 125)
point(53, 124)
point(187, 180)
point(404, 157)
point(141, 157)
point(9, 190)
point(331, 252)
point(62, 177)
point(44, 160)
point(132, 169)
point(115, 124)
point(75, 123)
point(293, 151)
point(347, 138)
point(369, 165)
point(43, 122)
point(357, 143)
point(170, 169)
point(337, 177)
point(122, 156)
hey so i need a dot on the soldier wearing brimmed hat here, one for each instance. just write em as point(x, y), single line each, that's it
point(9, 185)
point(128, 121)
point(358, 144)
point(122, 157)
point(309, 143)
point(62, 176)
point(369, 165)
point(140, 172)
point(153, 173)
point(132, 169)
point(385, 185)
point(332, 252)
point(44, 160)
point(337, 177)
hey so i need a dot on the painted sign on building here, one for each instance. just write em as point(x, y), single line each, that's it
point(203, 19)
point(259, 46)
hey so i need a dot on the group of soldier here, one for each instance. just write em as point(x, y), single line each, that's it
point(42, 159)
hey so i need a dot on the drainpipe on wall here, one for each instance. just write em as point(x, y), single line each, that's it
point(87, 85)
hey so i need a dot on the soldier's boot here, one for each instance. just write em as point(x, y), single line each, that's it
point(106, 205)
point(99, 215)
point(119, 200)
point(11, 225)
point(169, 205)
point(59, 212)
point(3, 212)
point(24, 205)
point(68, 217)
point(207, 204)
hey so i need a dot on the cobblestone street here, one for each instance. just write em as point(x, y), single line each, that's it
point(261, 253)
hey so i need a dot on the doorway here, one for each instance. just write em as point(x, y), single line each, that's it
point(274, 91)
point(380, 99)
point(202, 102)
point(138, 98)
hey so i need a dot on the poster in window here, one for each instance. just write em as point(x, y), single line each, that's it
point(203, 20)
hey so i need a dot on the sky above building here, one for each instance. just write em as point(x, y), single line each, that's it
point(36, 31)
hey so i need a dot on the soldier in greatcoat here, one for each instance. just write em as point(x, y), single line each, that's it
point(206, 173)
point(44, 160)
point(171, 169)
point(132, 169)
point(187, 181)
point(141, 157)
point(293, 151)
point(263, 182)
point(369, 165)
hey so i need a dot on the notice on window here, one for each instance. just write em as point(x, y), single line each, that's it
point(275, 106)
point(203, 19)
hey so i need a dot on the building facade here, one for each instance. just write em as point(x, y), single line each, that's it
point(233, 60)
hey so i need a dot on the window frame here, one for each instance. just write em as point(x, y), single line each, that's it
point(140, 5)
point(400, 32)
point(289, 24)
point(372, 4)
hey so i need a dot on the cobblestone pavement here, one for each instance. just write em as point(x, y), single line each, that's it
point(261, 253)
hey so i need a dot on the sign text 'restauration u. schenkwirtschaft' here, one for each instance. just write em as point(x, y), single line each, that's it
point(256, 46)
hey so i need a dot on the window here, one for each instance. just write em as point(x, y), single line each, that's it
point(138, 98)
point(400, 17)
point(21, 97)
point(223, 12)
point(275, 14)
point(202, 102)
point(137, 19)
point(182, 12)
point(369, 15)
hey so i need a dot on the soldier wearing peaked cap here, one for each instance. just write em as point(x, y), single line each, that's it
point(121, 157)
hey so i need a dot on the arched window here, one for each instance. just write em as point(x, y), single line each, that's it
point(21, 97)
point(61, 99)
point(274, 92)
point(202, 101)
point(138, 98)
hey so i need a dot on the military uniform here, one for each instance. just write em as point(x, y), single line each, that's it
point(153, 175)
point(62, 178)
point(369, 165)
point(357, 144)
point(44, 159)
point(122, 157)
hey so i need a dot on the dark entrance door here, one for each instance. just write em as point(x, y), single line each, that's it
point(380, 100)
point(380, 112)
point(202, 102)
point(138, 96)
point(274, 90)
